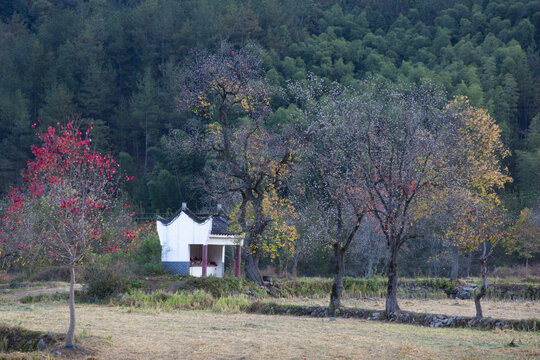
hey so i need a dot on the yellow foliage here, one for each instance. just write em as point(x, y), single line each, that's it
point(478, 211)
point(214, 135)
point(280, 233)
point(481, 148)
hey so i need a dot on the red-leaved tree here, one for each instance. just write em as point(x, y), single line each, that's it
point(70, 197)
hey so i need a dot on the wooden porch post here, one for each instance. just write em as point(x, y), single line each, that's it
point(238, 261)
point(204, 259)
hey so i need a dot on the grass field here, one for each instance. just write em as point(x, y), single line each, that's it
point(130, 334)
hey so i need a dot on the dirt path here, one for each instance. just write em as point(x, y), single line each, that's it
point(18, 294)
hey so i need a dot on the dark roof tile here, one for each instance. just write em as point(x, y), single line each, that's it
point(220, 226)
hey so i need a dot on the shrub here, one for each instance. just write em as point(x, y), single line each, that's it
point(62, 296)
point(153, 269)
point(107, 276)
point(365, 287)
point(186, 300)
point(304, 287)
point(147, 256)
point(161, 300)
point(217, 287)
point(232, 304)
point(528, 274)
point(358, 287)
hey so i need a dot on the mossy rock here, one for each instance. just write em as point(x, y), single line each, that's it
point(19, 339)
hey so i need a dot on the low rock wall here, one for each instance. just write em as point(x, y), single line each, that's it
point(405, 317)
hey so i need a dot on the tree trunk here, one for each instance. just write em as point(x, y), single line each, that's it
point(70, 337)
point(369, 268)
point(392, 307)
point(250, 266)
point(483, 289)
point(337, 287)
point(295, 267)
point(146, 145)
point(469, 261)
point(455, 263)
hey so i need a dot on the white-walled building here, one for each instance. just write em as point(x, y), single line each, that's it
point(195, 244)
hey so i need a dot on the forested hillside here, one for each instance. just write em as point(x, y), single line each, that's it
point(114, 63)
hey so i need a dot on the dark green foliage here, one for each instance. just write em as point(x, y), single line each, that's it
point(101, 284)
point(117, 64)
point(153, 269)
point(148, 256)
point(313, 287)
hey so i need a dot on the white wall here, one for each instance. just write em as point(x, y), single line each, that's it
point(210, 271)
point(177, 236)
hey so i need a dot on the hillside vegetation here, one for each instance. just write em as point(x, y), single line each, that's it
point(114, 63)
point(118, 65)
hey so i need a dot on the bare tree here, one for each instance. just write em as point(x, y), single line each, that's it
point(377, 151)
point(403, 151)
point(310, 237)
point(332, 201)
point(368, 250)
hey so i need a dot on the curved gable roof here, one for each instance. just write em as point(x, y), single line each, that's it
point(191, 214)
point(220, 224)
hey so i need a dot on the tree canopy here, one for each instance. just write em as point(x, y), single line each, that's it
point(117, 63)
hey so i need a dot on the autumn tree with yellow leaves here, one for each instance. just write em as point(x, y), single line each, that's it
point(478, 217)
point(227, 92)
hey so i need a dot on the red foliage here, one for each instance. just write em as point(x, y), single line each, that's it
point(71, 193)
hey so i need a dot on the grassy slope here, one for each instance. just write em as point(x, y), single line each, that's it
point(201, 334)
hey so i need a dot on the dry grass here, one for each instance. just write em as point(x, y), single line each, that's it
point(35, 289)
point(203, 335)
point(517, 309)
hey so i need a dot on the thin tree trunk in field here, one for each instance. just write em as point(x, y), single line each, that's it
point(392, 307)
point(469, 261)
point(482, 291)
point(70, 337)
point(295, 267)
point(369, 268)
point(455, 263)
point(146, 145)
point(337, 287)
